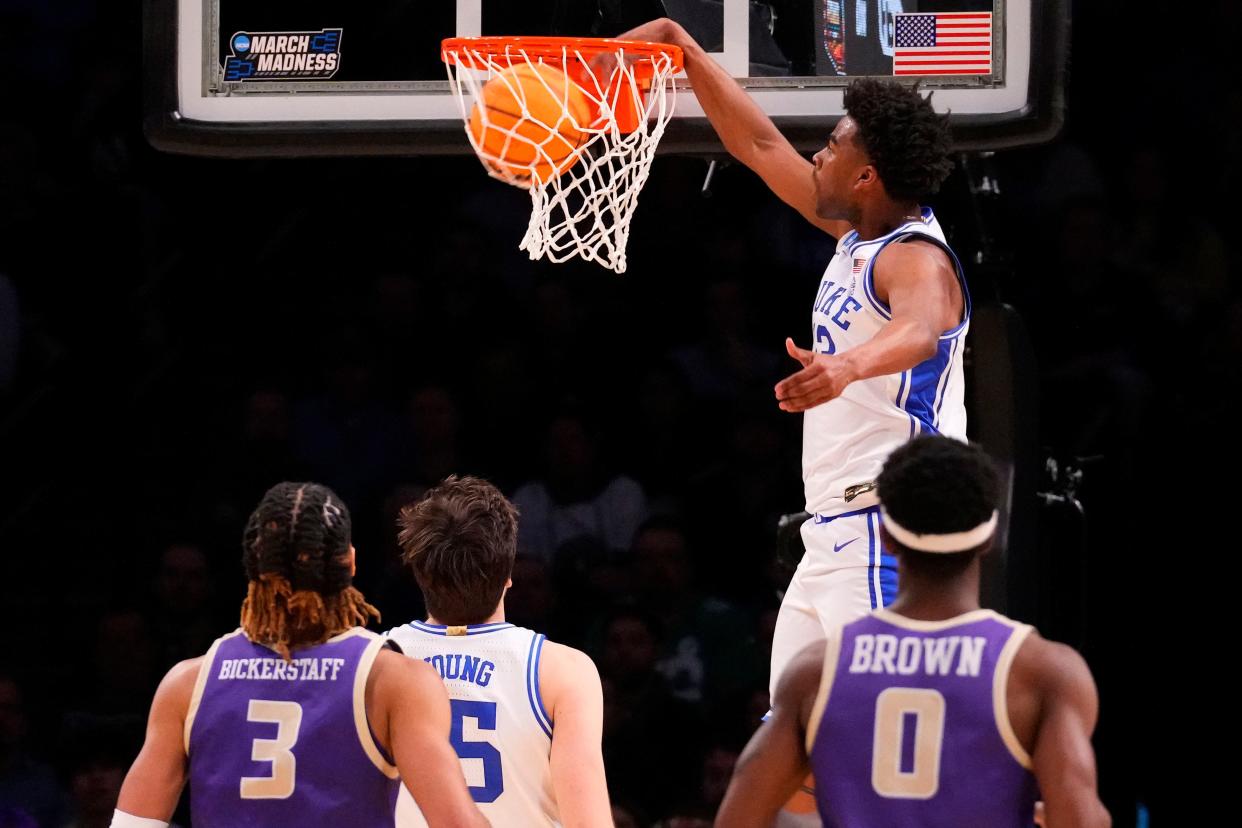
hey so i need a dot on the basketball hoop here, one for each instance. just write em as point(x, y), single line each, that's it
point(582, 202)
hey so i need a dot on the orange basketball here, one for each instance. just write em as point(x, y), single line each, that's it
point(533, 115)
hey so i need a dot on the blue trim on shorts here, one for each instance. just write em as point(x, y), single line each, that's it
point(888, 584)
point(871, 560)
point(820, 519)
point(888, 571)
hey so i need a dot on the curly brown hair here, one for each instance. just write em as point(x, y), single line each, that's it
point(460, 540)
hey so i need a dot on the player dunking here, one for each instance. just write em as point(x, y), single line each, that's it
point(527, 713)
point(887, 325)
point(933, 712)
point(300, 717)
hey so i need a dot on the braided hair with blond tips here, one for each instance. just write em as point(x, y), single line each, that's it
point(296, 551)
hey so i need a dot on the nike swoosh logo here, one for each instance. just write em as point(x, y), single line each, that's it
point(837, 547)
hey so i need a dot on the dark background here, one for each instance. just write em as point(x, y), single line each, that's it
point(177, 334)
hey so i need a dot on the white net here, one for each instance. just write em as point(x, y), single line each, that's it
point(575, 127)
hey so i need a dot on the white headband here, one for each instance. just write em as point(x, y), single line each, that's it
point(952, 542)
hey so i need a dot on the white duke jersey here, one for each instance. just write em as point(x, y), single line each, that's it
point(846, 440)
point(500, 730)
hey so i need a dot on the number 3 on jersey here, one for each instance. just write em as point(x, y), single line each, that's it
point(287, 716)
point(484, 716)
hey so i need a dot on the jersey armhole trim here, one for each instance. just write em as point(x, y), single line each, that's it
point(200, 684)
point(1000, 701)
point(533, 694)
point(361, 726)
point(967, 308)
point(868, 280)
point(832, 654)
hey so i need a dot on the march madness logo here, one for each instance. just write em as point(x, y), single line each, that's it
point(283, 56)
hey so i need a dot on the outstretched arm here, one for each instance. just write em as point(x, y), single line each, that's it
point(154, 782)
point(744, 128)
point(418, 716)
point(774, 764)
point(570, 684)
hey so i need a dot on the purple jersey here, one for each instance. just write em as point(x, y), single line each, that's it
point(911, 726)
point(276, 743)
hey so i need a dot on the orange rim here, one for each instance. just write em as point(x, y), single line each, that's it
point(556, 47)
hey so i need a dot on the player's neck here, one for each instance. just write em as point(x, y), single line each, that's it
point(924, 598)
point(496, 617)
point(883, 219)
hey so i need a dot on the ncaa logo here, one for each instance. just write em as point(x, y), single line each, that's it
point(290, 56)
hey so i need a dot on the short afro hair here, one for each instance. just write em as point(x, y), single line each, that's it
point(908, 143)
point(939, 486)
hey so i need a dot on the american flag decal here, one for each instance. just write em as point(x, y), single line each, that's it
point(859, 264)
point(943, 44)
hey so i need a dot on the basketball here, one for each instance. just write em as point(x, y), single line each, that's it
point(527, 121)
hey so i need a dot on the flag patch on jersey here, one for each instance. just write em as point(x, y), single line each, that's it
point(943, 44)
point(859, 264)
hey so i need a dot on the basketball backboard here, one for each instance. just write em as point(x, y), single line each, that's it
point(325, 77)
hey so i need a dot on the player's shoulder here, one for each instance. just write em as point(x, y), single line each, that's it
point(392, 662)
point(1045, 655)
point(799, 682)
point(567, 678)
point(562, 662)
point(1051, 666)
point(175, 697)
point(182, 676)
point(916, 251)
point(390, 659)
point(394, 671)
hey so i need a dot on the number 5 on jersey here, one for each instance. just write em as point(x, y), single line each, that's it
point(484, 715)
